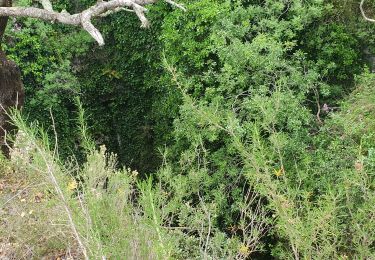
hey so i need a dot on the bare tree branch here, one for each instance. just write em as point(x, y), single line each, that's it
point(364, 14)
point(46, 5)
point(83, 19)
point(176, 5)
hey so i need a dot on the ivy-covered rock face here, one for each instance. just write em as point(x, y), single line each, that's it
point(12, 96)
point(11, 88)
point(254, 119)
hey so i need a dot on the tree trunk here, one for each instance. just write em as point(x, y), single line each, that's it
point(11, 88)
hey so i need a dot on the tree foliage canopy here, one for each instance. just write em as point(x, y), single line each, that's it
point(250, 122)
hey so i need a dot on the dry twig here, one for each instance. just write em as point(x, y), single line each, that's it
point(364, 14)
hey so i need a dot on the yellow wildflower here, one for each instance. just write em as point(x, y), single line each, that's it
point(279, 172)
point(244, 250)
point(72, 185)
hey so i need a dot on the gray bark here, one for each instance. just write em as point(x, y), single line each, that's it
point(83, 19)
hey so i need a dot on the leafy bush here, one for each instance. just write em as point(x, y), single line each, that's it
point(47, 63)
point(267, 123)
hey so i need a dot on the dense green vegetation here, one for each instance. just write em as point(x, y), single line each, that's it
point(243, 129)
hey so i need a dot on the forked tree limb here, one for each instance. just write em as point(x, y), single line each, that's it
point(363, 12)
point(46, 4)
point(83, 19)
